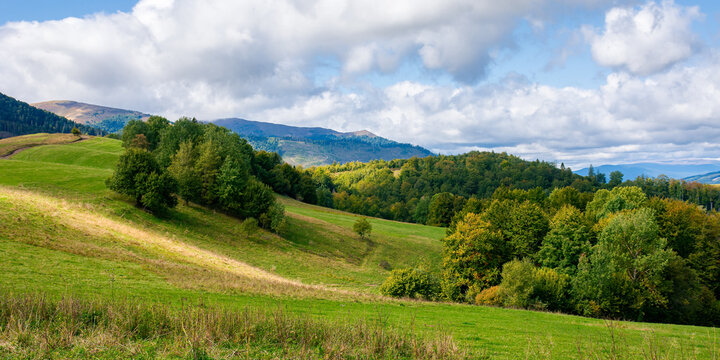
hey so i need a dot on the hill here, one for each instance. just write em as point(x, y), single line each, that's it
point(103, 117)
point(19, 118)
point(65, 235)
point(709, 178)
point(674, 171)
point(310, 146)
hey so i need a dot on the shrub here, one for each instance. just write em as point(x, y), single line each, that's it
point(526, 286)
point(491, 296)
point(412, 283)
point(362, 227)
point(249, 226)
point(75, 131)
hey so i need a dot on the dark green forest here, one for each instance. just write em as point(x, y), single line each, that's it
point(19, 118)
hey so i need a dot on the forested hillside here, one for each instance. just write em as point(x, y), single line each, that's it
point(310, 146)
point(407, 189)
point(19, 118)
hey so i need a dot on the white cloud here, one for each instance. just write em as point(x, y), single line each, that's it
point(256, 59)
point(645, 39)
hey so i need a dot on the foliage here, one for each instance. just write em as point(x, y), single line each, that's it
point(568, 239)
point(411, 283)
point(362, 227)
point(249, 226)
point(526, 286)
point(490, 297)
point(276, 215)
point(75, 131)
point(620, 198)
point(474, 255)
point(139, 176)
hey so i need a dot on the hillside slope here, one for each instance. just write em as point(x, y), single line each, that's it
point(19, 118)
point(65, 234)
point(709, 178)
point(103, 117)
point(309, 146)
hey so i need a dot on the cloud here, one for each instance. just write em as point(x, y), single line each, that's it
point(670, 116)
point(645, 39)
point(258, 59)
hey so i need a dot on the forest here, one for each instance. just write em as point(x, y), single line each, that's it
point(519, 234)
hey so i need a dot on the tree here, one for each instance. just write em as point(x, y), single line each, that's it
point(182, 168)
point(473, 257)
point(616, 178)
point(624, 274)
point(257, 198)
point(138, 175)
point(231, 182)
point(140, 142)
point(362, 227)
point(620, 198)
point(441, 209)
point(75, 131)
point(567, 240)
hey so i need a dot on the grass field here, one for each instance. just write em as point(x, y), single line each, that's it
point(63, 233)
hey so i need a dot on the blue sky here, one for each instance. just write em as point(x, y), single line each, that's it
point(574, 81)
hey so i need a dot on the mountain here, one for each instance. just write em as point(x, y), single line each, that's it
point(310, 146)
point(675, 171)
point(19, 118)
point(103, 117)
point(709, 178)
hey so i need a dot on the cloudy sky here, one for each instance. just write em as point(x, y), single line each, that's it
point(574, 81)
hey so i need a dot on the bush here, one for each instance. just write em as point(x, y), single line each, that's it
point(276, 217)
point(526, 286)
point(249, 226)
point(412, 283)
point(491, 296)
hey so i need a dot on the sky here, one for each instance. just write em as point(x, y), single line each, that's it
point(574, 81)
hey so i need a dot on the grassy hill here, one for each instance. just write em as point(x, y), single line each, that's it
point(310, 146)
point(19, 118)
point(65, 235)
point(103, 117)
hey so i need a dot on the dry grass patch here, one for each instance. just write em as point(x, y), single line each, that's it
point(76, 228)
point(10, 145)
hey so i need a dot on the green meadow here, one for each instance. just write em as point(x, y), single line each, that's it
point(64, 235)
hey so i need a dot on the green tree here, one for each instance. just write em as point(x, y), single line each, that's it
point(232, 179)
point(257, 200)
point(473, 257)
point(207, 167)
point(568, 239)
point(182, 168)
point(624, 274)
point(620, 198)
point(75, 131)
point(526, 286)
point(362, 227)
point(138, 175)
point(616, 178)
point(276, 215)
point(441, 209)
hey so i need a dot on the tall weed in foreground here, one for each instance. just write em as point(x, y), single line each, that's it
point(616, 346)
point(34, 326)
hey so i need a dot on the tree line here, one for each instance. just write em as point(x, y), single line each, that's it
point(620, 255)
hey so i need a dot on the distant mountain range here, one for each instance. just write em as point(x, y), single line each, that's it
point(306, 146)
point(106, 118)
point(688, 172)
point(19, 118)
point(309, 146)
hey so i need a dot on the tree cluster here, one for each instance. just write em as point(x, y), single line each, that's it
point(208, 165)
point(620, 255)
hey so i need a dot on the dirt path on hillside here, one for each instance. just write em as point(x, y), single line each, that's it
point(7, 156)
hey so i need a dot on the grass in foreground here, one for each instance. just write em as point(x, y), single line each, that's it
point(36, 327)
